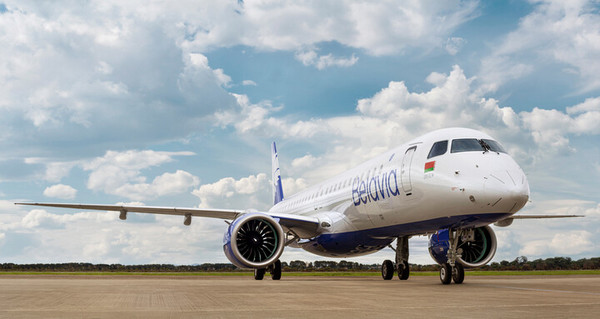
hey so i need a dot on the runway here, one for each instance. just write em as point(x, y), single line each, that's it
point(50, 296)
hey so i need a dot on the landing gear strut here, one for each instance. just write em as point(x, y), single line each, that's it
point(274, 270)
point(387, 268)
point(402, 258)
point(453, 270)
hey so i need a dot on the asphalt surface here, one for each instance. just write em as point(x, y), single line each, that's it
point(43, 296)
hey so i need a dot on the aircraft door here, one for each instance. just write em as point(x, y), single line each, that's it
point(405, 169)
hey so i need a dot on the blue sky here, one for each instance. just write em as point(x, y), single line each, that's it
point(176, 105)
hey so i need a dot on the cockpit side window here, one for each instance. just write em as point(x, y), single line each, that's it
point(438, 148)
point(466, 145)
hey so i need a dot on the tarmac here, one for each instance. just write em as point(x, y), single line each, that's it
point(55, 296)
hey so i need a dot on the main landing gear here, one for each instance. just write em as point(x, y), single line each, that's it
point(402, 268)
point(453, 270)
point(274, 270)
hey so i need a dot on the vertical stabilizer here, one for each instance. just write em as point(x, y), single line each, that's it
point(277, 188)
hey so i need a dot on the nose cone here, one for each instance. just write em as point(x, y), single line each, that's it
point(506, 190)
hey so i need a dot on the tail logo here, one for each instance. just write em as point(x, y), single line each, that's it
point(276, 176)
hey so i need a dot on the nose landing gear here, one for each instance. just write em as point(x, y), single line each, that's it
point(453, 270)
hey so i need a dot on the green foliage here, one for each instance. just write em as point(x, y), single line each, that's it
point(519, 264)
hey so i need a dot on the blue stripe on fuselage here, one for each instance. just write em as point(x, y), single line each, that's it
point(362, 242)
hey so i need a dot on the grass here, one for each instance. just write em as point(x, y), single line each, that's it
point(310, 274)
point(108, 273)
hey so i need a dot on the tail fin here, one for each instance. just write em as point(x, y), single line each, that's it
point(277, 188)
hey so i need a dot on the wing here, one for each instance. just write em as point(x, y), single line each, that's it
point(508, 221)
point(543, 216)
point(200, 212)
point(305, 225)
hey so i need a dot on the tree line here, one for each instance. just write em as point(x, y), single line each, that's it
point(520, 263)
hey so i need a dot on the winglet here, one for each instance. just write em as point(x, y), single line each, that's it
point(277, 188)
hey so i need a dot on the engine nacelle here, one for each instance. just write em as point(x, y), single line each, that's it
point(254, 240)
point(476, 250)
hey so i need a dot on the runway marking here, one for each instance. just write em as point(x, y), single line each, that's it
point(544, 290)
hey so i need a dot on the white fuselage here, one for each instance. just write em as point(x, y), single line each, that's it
point(403, 192)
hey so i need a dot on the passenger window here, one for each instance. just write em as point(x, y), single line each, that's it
point(438, 148)
point(466, 145)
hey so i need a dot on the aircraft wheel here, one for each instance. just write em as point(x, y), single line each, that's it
point(387, 270)
point(458, 273)
point(276, 270)
point(446, 273)
point(259, 274)
point(404, 273)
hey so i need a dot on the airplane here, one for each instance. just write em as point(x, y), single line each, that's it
point(450, 184)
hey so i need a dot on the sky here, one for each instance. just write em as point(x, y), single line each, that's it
point(176, 103)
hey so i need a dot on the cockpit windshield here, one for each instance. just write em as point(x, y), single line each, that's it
point(466, 145)
point(474, 145)
point(494, 146)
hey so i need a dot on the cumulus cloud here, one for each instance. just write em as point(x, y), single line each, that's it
point(304, 162)
point(41, 218)
point(257, 118)
point(99, 72)
point(396, 114)
point(102, 238)
point(567, 32)
point(60, 191)
point(54, 171)
point(254, 191)
point(381, 28)
point(565, 244)
point(120, 173)
point(248, 192)
point(165, 184)
point(551, 127)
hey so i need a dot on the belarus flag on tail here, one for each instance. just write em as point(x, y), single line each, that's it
point(429, 166)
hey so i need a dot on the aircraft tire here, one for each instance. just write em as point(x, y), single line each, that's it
point(404, 273)
point(276, 270)
point(387, 270)
point(458, 273)
point(446, 274)
point(259, 274)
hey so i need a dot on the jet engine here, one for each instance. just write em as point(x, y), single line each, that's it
point(253, 240)
point(475, 246)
